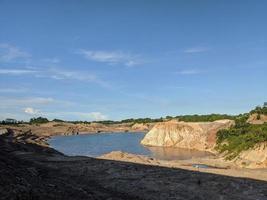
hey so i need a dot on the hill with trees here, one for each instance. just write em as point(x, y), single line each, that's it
point(243, 135)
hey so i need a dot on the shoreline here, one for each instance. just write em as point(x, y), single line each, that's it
point(216, 165)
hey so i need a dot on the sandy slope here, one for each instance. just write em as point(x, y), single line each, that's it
point(217, 165)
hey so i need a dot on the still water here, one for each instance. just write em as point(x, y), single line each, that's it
point(97, 144)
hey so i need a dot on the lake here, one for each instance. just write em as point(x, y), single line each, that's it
point(101, 143)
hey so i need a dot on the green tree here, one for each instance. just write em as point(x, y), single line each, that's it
point(38, 120)
point(57, 120)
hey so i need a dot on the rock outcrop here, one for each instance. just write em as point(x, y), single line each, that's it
point(142, 126)
point(191, 135)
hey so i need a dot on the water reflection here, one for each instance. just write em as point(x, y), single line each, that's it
point(170, 153)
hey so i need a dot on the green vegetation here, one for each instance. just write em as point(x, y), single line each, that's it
point(259, 110)
point(131, 120)
point(79, 122)
point(186, 118)
point(241, 119)
point(240, 137)
point(204, 118)
point(3, 122)
point(38, 120)
point(57, 120)
point(141, 120)
point(107, 122)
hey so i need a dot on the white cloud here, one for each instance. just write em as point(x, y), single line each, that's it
point(31, 111)
point(51, 60)
point(75, 75)
point(37, 100)
point(11, 53)
point(131, 63)
point(111, 57)
point(4, 101)
point(98, 116)
point(17, 71)
point(57, 74)
point(93, 116)
point(61, 74)
point(196, 50)
point(12, 90)
point(188, 72)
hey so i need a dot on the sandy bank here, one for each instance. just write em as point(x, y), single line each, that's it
point(216, 165)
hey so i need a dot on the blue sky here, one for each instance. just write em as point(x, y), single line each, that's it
point(96, 60)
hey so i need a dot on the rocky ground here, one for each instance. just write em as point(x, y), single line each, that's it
point(33, 171)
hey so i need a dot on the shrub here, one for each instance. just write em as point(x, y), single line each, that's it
point(259, 110)
point(242, 136)
point(38, 120)
point(204, 118)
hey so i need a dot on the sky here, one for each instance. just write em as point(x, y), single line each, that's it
point(112, 60)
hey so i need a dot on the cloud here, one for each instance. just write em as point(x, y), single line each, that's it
point(51, 60)
point(34, 100)
point(17, 71)
point(61, 75)
point(57, 74)
point(94, 116)
point(10, 53)
point(111, 57)
point(31, 111)
point(98, 116)
point(4, 101)
point(196, 50)
point(188, 72)
point(12, 90)
point(13, 103)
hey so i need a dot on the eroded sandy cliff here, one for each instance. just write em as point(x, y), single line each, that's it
point(191, 135)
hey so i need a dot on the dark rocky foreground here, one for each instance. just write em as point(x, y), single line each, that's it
point(31, 171)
